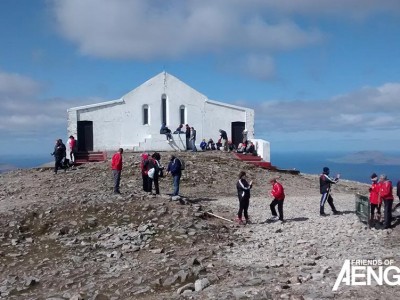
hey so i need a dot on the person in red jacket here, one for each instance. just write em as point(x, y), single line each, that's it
point(278, 194)
point(116, 166)
point(375, 199)
point(144, 157)
point(386, 193)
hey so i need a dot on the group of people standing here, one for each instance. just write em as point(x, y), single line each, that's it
point(191, 135)
point(381, 192)
point(151, 170)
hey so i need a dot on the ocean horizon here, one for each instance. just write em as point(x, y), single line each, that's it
point(305, 162)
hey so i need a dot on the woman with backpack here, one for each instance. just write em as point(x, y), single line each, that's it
point(154, 167)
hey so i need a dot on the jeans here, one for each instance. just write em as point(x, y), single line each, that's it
point(117, 179)
point(193, 145)
point(177, 179)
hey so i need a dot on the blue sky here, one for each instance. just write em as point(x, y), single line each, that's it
point(321, 75)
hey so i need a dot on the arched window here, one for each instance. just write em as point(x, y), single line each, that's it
point(145, 114)
point(182, 114)
point(164, 109)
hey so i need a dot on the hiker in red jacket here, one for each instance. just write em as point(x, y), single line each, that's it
point(116, 166)
point(375, 199)
point(279, 196)
point(386, 193)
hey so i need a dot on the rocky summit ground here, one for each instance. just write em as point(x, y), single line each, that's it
point(67, 236)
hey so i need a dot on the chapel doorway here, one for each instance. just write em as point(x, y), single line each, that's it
point(237, 132)
point(85, 136)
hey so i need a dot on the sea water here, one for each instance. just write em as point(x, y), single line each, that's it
point(306, 162)
point(313, 162)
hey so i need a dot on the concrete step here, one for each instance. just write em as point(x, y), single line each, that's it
point(247, 157)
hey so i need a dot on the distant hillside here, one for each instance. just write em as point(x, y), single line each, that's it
point(367, 157)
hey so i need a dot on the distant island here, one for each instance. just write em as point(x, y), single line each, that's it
point(368, 157)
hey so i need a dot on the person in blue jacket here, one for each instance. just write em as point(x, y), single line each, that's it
point(175, 169)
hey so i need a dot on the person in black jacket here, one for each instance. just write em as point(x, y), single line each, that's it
point(175, 169)
point(188, 146)
point(325, 183)
point(224, 139)
point(243, 189)
point(60, 152)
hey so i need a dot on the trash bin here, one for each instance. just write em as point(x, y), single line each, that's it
point(363, 208)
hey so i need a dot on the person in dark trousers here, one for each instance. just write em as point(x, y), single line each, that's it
point(165, 130)
point(175, 169)
point(375, 199)
point(60, 152)
point(144, 170)
point(116, 166)
point(278, 194)
point(325, 183)
point(224, 139)
point(153, 175)
point(243, 190)
point(386, 193)
point(188, 137)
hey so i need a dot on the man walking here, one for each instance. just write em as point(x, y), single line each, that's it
point(116, 166)
point(175, 168)
point(325, 183)
point(278, 194)
point(386, 193)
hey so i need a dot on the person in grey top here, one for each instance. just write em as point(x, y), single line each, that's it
point(193, 139)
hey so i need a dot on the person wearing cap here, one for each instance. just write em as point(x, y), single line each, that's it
point(375, 199)
point(325, 183)
point(243, 189)
point(278, 194)
point(386, 193)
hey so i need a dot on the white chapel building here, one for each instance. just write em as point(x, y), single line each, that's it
point(133, 122)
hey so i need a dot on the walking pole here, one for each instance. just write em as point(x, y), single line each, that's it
point(219, 217)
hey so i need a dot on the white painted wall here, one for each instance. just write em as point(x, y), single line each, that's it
point(119, 123)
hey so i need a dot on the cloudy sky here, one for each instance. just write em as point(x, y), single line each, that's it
point(321, 74)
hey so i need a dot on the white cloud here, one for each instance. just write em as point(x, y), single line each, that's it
point(145, 30)
point(17, 85)
point(24, 112)
point(369, 108)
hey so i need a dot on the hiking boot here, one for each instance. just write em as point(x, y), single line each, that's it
point(336, 212)
point(248, 221)
point(323, 214)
